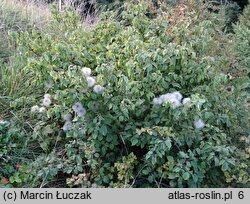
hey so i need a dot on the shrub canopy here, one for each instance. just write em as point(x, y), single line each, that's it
point(139, 101)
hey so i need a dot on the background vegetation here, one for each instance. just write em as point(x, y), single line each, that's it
point(139, 94)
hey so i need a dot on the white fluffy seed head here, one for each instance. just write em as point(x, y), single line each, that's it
point(86, 71)
point(67, 117)
point(186, 101)
point(98, 89)
point(177, 95)
point(157, 101)
point(173, 98)
point(81, 112)
point(90, 81)
point(77, 106)
point(199, 124)
point(47, 101)
point(67, 126)
point(175, 103)
point(47, 96)
point(34, 108)
point(165, 97)
point(42, 109)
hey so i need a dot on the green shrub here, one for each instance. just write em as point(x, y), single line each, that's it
point(113, 112)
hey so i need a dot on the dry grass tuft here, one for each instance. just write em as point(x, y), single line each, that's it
point(26, 10)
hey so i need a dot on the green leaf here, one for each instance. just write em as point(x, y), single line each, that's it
point(18, 180)
point(216, 161)
point(168, 143)
point(224, 166)
point(195, 178)
point(78, 159)
point(183, 155)
point(103, 130)
point(134, 141)
point(12, 179)
point(186, 176)
point(172, 176)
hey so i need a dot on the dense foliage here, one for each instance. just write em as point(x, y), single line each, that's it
point(150, 97)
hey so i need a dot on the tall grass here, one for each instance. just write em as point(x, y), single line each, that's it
point(15, 83)
point(20, 16)
point(19, 12)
